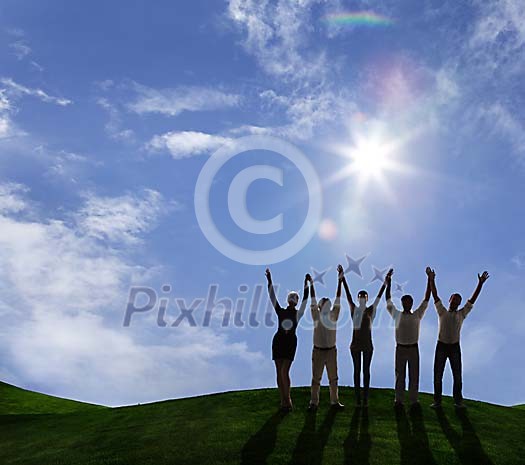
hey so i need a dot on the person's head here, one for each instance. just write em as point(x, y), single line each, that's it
point(325, 304)
point(362, 297)
point(455, 301)
point(293, 298)
point(407, 301)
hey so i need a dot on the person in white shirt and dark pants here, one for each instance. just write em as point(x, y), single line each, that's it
point(448, 346)
point(407, 338)
point(324, 353)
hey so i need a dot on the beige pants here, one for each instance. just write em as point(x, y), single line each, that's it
point(407, 356)
point(320, 359)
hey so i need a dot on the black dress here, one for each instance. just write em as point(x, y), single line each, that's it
point(284, 343)
point(362, 332)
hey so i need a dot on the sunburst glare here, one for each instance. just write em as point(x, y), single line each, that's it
point(372, 158)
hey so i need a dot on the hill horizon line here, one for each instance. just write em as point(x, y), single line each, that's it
point(345, 387)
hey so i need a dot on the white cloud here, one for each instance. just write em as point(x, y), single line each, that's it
point(310, 111)
point(498, 18)
point(252, 129)
point(10, 198)
point(121, 219)
point(16, 32)
point(7, 128)
point(18, 90)
point(49, 261)
point(5, 105)
point(307, 113)
point(446, 87)
point(63, 295)
point(519, 261)
point(9, 93)
point(114, 125)
point(280, 36)
point(56, 166)
point(86, 359)
point(64, 165)
point(20, 49)
point(491, 54)
point(186, 144)
point(37, 66)
point(505, 123)
point(174, 101)
point(277, 35)
point(480, 344)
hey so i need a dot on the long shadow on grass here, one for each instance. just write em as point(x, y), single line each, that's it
point(258, 448)
point(306, 442)
point(413, 439)
point(467, 445)
point(310, 445)
point(358, 443)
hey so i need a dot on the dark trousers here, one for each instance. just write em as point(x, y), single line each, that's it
point(452, 352)
point(367, 360)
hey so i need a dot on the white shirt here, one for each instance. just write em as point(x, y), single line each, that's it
point(325, 324)
point(450, 322)
point(407, 323)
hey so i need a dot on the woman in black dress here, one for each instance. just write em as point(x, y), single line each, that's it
point(284, 342)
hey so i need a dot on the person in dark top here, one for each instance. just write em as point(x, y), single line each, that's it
point(361, 347)
point(284, 343)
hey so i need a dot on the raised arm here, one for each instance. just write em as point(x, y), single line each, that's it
point(421, 310)
point(347, 290)
point(340, 278)
point(336, 309)
point(271, 290)
point(375, 304)
point(312, 290)
point(383, 286)
point(388, 280)
point(390, 307)
point(313, 305)
point(306, 293)
point(432, 279)
point(440, 308)
point(482, 278)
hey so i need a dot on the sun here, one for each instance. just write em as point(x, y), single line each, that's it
point(369, 159)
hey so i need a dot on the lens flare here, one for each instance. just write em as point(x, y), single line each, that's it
point(327, 230)
point(358, 18)
point(371, 157)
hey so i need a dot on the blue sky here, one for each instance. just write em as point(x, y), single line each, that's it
point(108, 113)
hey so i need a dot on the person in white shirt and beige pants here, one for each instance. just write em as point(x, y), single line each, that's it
point(407, 338)
point(324, 353)
point(448, 347)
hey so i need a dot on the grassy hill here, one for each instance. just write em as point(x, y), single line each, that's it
point(14, 400)
point(244, 427)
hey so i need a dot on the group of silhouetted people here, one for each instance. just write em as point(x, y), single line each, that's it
point(325, 315)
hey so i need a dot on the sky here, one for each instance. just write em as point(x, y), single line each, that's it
point(392, 130)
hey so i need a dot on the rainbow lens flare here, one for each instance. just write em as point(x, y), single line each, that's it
point(358, 18)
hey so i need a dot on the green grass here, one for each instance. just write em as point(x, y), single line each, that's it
point(244, 427)
point(14, 400)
